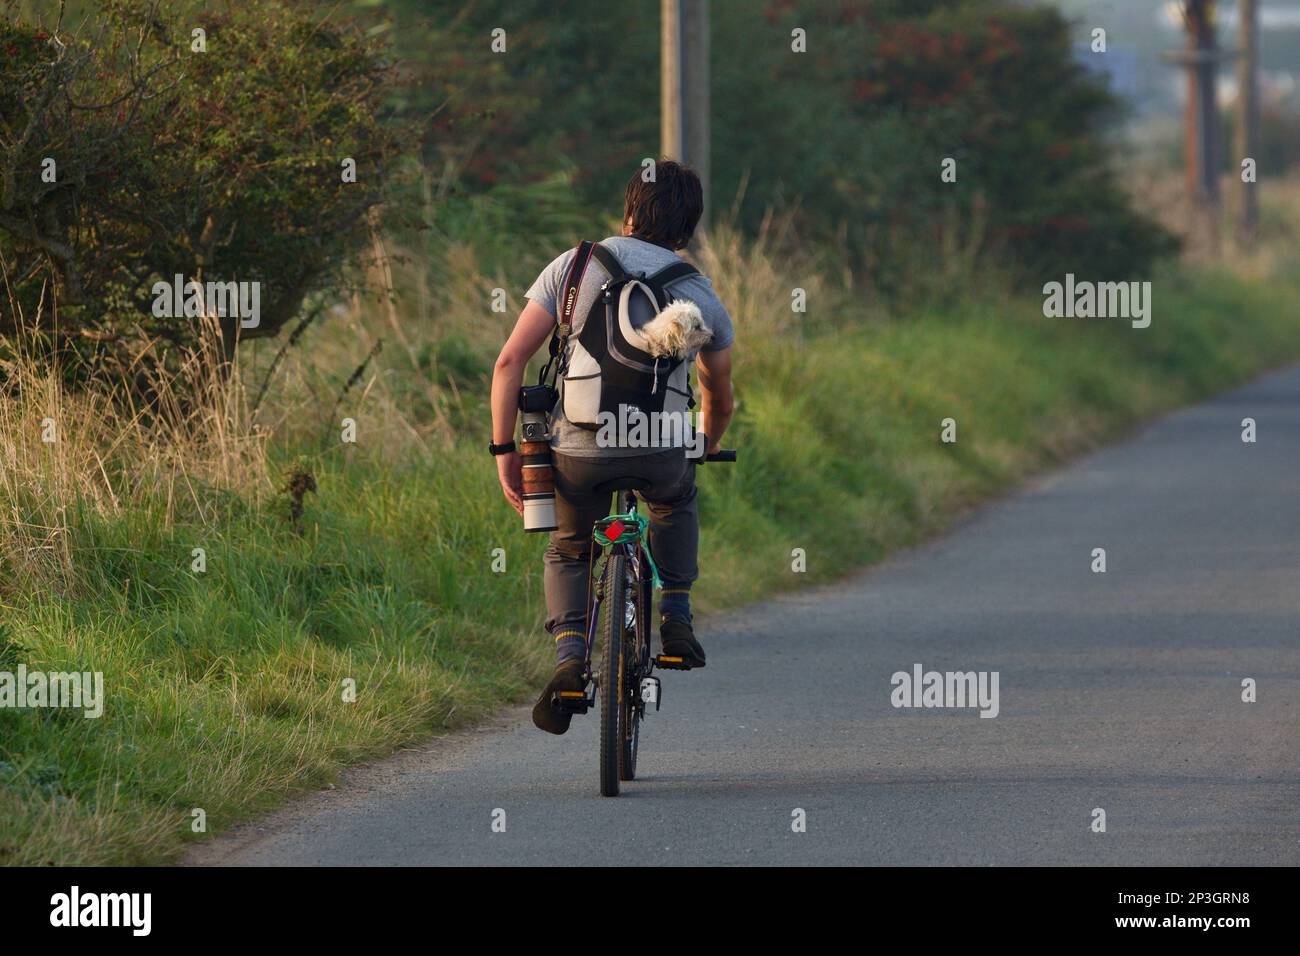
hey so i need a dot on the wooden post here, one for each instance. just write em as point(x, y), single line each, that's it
point(671, 118)
point(1202, 112)
point(1200, 58)
point(684, 87)
point(1246, 139)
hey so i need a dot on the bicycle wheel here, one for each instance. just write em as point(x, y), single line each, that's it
point(636, 652)
point(612, 615)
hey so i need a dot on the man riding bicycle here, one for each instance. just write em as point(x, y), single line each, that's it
point(659, 218)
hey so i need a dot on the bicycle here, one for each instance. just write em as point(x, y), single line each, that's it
point(621, 599)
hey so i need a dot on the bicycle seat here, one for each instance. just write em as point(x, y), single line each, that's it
point(622, 483)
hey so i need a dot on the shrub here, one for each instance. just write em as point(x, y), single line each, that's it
point(222, 165)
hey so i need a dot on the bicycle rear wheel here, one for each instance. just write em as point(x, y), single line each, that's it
point(612, 670)
point(636, 654)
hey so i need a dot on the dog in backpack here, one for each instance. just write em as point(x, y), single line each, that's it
point(677, 331)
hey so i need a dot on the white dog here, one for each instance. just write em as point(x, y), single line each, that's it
point(677, 331)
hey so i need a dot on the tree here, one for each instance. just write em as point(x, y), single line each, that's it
point(213, 150)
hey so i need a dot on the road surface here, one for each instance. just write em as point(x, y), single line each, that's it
point(1120, 691)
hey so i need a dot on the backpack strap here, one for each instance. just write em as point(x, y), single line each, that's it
point(657, 281)
point(615, 268)
point(667, 276)
point(564, 310)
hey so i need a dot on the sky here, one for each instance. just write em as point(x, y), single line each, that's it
point(1138, 31)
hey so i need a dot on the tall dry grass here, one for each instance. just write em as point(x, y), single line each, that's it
point(1213, 239)
point(440, 330)
point(101, 449)
point(758, 278)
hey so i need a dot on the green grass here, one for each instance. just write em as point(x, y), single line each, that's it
point(225, 689)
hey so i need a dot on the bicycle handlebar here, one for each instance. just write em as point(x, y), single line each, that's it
point(723, 454)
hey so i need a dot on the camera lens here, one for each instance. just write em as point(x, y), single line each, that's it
point(539, 485)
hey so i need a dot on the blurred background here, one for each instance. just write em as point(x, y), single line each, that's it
point(478, 164)
point(181, 505)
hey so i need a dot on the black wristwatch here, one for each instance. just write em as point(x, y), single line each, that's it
point(502, 449)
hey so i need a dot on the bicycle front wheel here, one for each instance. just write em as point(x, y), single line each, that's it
point(613, 605)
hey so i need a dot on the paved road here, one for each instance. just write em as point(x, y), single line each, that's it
point(1119, 690)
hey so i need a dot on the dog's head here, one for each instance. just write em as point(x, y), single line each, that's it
point(677, 331)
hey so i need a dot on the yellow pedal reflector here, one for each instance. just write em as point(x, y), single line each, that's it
point(572, 693)
point(665, 657)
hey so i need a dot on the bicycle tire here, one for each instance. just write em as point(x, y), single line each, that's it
point(612, 611)
point(636, 665)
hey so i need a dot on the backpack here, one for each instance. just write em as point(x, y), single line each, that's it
point(610, 363)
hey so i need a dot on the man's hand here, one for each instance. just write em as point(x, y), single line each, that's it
point(510, 472)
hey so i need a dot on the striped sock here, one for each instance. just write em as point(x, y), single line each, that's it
point(675, 600)
point(570, 644)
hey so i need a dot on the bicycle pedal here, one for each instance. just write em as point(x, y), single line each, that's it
point(571, 701)
point(672, 663)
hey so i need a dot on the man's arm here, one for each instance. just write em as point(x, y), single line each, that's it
point(532, 329)
point(714, 375)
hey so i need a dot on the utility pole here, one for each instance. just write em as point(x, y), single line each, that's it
point(1202, 113)
point(1200, 117)
point(1246, 139)
point(684, 87)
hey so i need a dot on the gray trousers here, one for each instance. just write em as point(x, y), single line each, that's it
point(674, 530)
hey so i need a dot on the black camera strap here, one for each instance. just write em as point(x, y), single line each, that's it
point(567, 304)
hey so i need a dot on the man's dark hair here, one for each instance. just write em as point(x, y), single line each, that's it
point(667, 210)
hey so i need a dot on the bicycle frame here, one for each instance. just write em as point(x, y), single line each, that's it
point(636, 553)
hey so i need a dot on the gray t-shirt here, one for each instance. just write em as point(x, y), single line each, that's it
point(635, 255)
